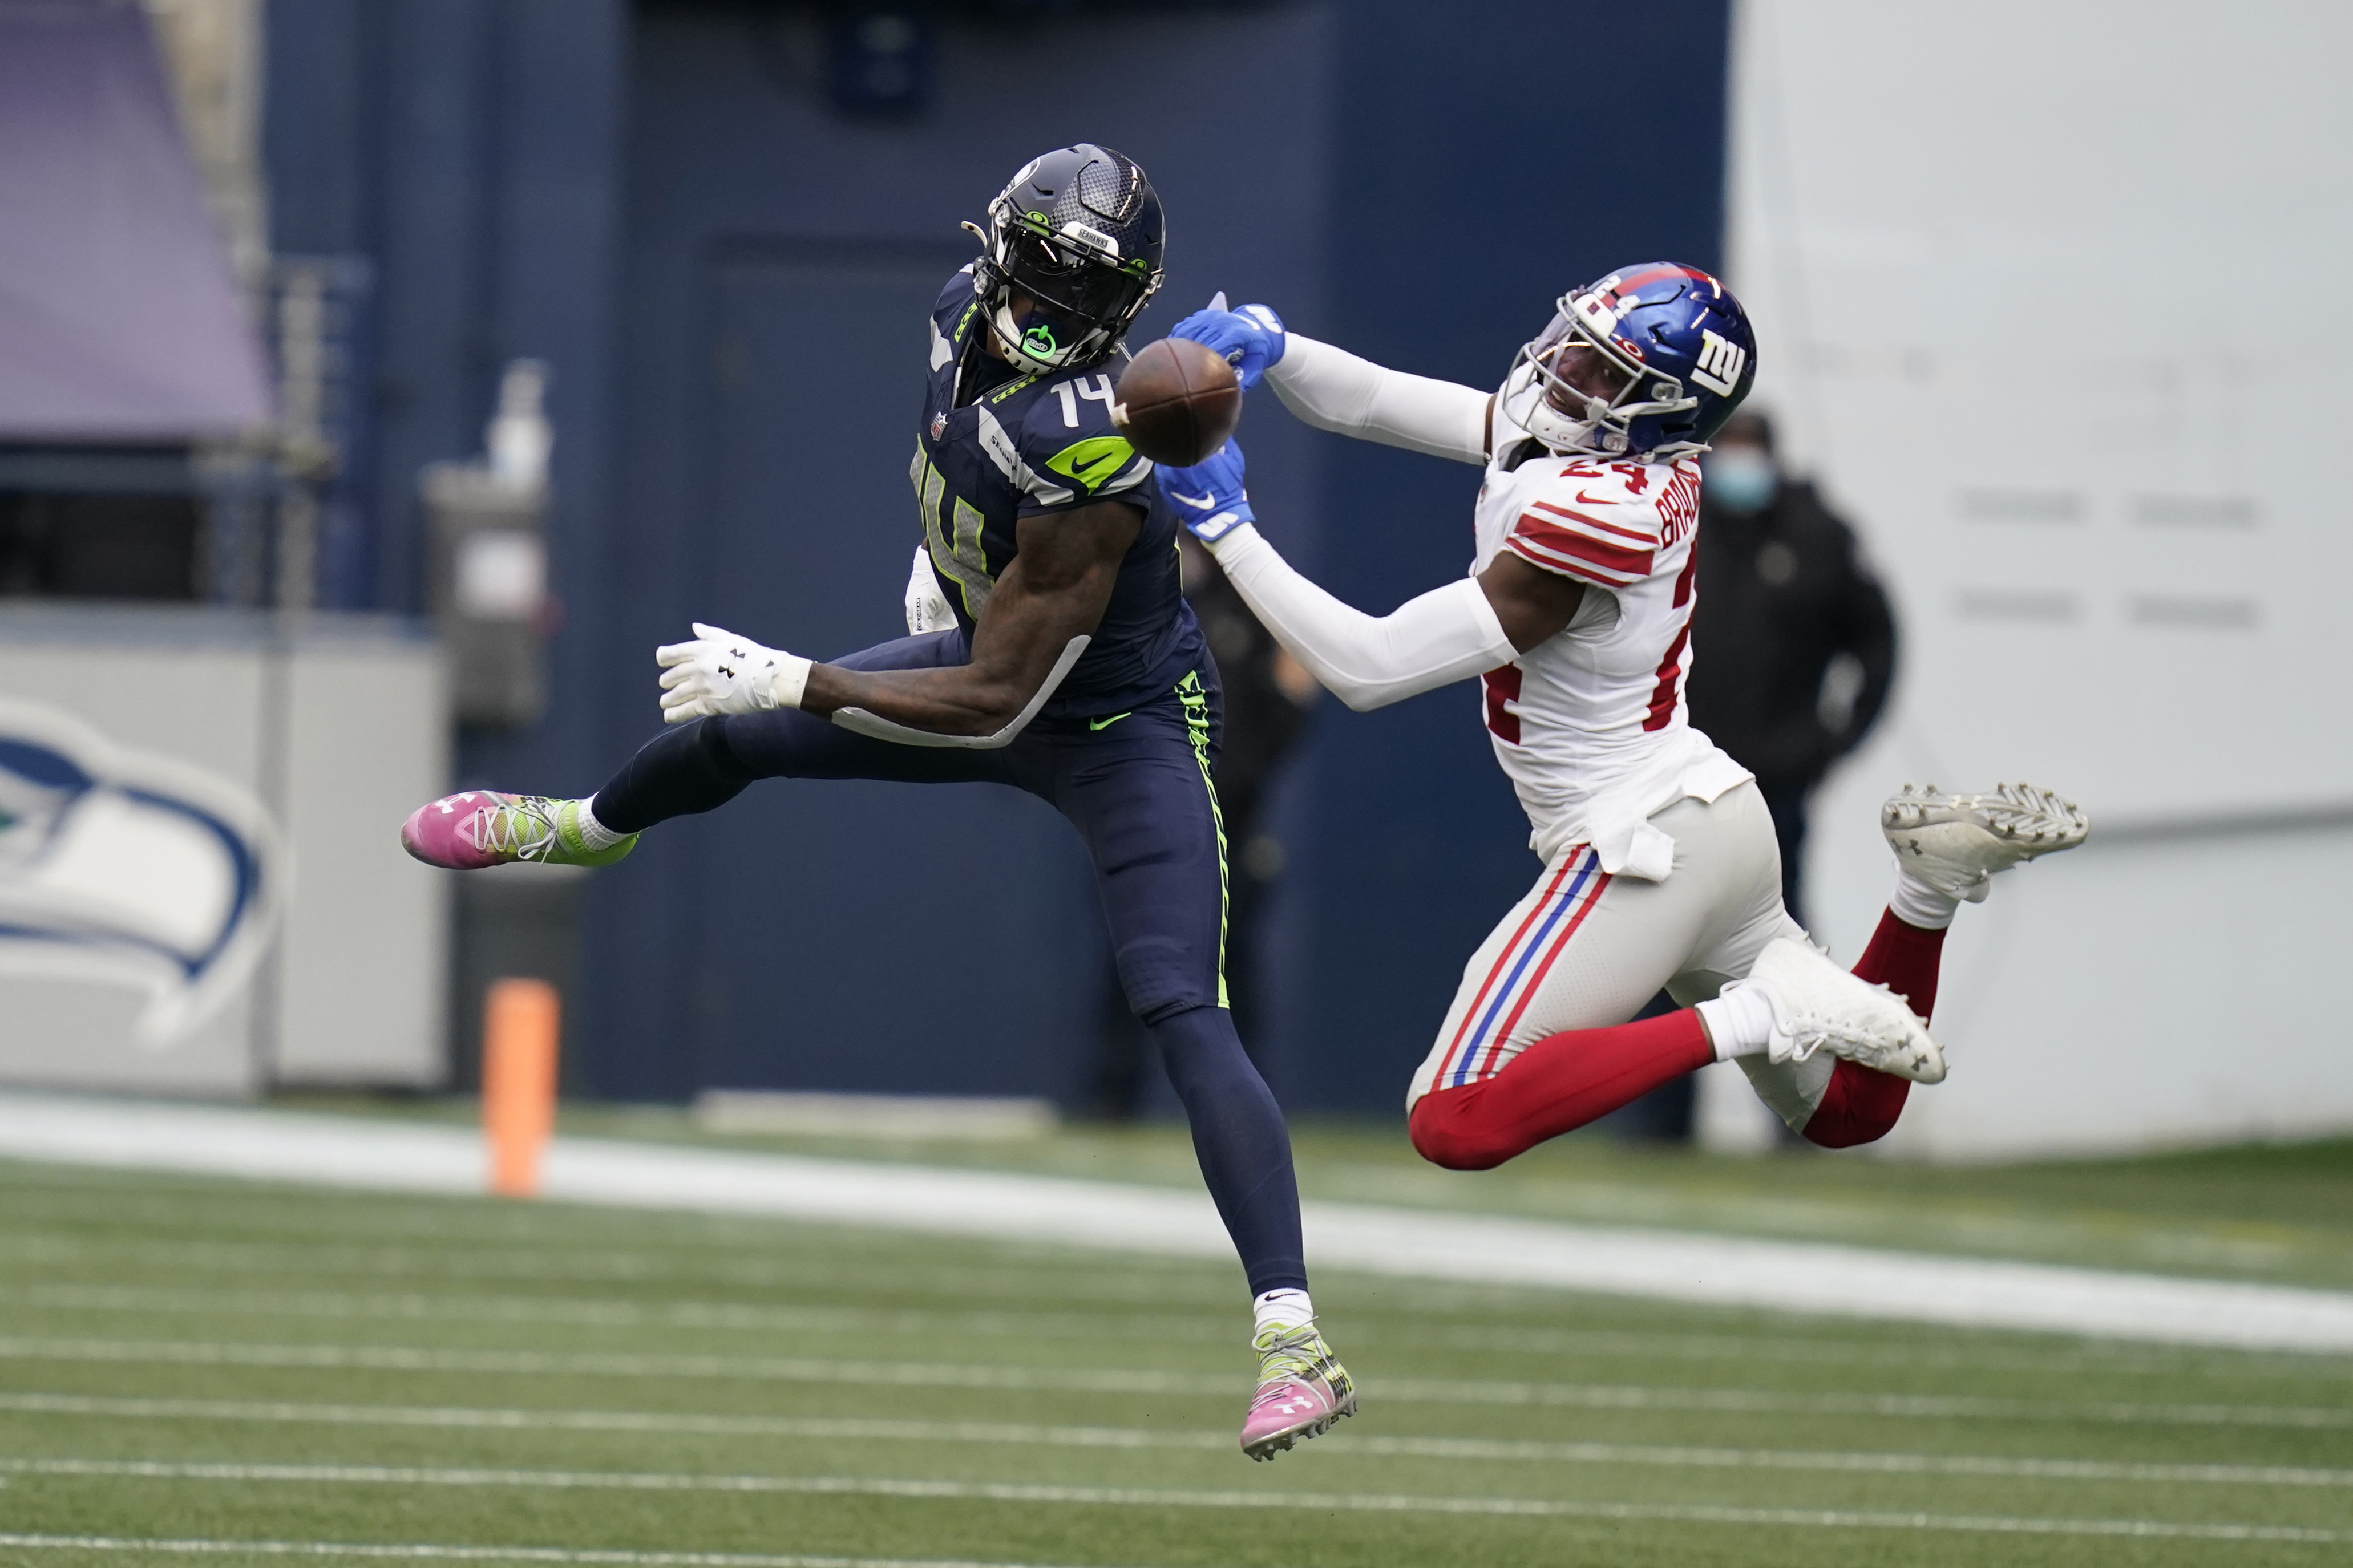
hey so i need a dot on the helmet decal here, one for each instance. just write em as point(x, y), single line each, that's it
point(1721, 361)
point(1679, 373)
point(1094, 236)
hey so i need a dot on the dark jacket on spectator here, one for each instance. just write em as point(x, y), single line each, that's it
point(1783, 592)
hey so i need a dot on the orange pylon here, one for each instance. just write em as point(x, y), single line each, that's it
point(518, 1035)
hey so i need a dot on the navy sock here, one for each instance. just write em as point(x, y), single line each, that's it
point(1241, 1143)
point(677, 773)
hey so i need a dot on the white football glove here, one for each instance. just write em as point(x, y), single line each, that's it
point(720, 672)
point(927, 607)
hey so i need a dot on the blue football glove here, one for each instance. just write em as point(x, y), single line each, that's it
point(1249, 339)
point(1209, 495)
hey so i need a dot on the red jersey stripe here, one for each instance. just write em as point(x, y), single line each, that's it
point(1566, 566)
point(1633, 533)
point(1620, 558)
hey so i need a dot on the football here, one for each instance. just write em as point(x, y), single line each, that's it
point(1176, 401)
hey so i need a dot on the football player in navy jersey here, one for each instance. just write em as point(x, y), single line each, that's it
point(1074, 671)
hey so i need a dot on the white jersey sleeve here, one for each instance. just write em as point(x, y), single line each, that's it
point(1590, 724)
point(1447, 634)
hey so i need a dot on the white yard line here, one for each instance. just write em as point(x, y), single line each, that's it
point(599, 1260)
point(1130, 1381)
point(428, 1552)
point(1818, 1278)
point(571, 1312)
point(1144, 1497)
point(1480, 1450)
point(617, 1312)
point(1974, 1355)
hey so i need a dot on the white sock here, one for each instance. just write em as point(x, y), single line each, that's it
point(1915, 903)
point(592, 833)
point(1739, 1021)
point(1288, 1308)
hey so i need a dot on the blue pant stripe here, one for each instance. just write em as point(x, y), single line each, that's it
point(1495, 1006)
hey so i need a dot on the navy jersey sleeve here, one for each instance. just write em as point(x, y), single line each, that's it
point(1067, 453)
point(954, 315)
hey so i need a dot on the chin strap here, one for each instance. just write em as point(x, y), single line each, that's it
point(882, 728)
point(1524, 408)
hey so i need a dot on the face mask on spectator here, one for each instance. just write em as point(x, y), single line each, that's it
point(1741, 478)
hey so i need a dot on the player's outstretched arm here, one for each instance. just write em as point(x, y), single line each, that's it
point(1449, 634)
point(1051, 597)
point(1332, 389)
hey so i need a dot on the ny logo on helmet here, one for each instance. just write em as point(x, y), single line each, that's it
point(1721, 361)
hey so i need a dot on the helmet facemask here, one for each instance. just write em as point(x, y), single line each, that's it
point(1082, 294)
point(1540, 398)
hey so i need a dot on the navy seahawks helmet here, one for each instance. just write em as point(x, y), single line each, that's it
point(1684, 351)
point(1080, 232)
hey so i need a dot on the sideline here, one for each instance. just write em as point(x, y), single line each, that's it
point(1710, 1271)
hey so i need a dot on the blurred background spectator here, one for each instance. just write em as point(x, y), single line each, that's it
point(1795, 641)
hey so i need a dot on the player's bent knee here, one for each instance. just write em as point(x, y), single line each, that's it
point(1444, 1134)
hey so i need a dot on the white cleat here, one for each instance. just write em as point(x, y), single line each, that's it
point(1956, 843)
point(1818, 1006)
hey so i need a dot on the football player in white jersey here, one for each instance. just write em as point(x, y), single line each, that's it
point(1660, 868)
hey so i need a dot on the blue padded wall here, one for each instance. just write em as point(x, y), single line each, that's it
point(727, 275)
point(1486, 158)
point(780, 262)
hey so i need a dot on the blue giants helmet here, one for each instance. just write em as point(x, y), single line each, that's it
point(1672, 343)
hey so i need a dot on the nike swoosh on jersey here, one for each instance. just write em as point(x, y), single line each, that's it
point(1107, 724)
point(1203, 504)
point(1596, 500)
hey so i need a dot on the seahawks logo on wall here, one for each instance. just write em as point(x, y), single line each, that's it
point(120, 868)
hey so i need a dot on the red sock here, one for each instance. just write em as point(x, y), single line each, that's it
point(1861, 1106)
point(1904, 958)
point(1563, 1081)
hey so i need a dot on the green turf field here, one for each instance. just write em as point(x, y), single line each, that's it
point(204, 1362)
point(2281, 1214)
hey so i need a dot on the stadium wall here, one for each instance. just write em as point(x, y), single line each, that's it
point(661, 204)
point(2020, 339)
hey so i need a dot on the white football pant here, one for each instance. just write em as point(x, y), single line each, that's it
point(1585, 950)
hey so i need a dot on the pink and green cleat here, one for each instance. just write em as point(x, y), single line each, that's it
point(482, 827)
point(1303, 1389)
